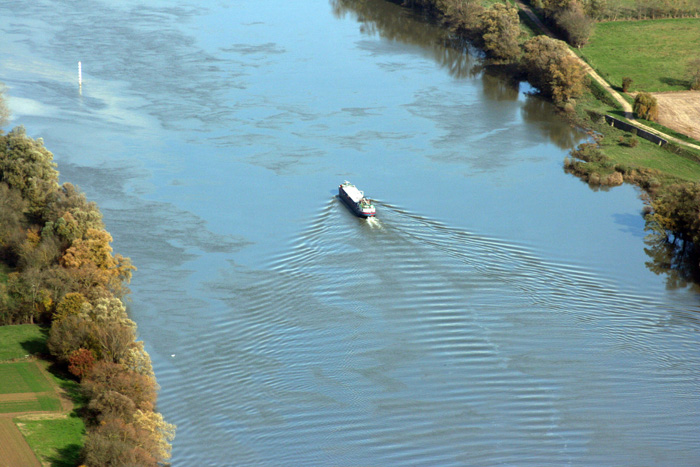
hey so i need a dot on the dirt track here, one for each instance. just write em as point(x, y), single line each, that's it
point(680, 111)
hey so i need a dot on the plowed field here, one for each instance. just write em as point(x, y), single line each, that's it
point(680, 111)
point(14, 450)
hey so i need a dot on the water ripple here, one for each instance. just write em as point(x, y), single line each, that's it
point(405, 341)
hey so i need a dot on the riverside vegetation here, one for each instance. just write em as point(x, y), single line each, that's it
point(58, 269)
point(668, 175)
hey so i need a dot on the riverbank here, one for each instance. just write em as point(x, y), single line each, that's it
point(669, 174)
point(59, 270)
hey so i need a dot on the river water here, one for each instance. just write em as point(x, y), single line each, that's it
point(497, 311)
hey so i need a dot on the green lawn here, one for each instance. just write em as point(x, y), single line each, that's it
point(650, 156)
point(42, 403)
point(654, 53)
point(21, 340)
point(646, 154)
point(22, 377)
point(56, 442)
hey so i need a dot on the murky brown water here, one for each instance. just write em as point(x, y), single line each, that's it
point(498, 311)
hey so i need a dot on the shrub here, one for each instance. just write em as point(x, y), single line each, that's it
point(601, 94)
point(626, 83)
point(589, 152)
point(594, 116)
point(629, 141)
point(646, 107)
point(693, 68)
point(614, 179)
point(575, 24)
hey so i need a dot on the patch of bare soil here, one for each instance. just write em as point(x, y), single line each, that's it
point(22, 396)
point(14, 450)
point(680, 111)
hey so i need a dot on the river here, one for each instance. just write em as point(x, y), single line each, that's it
point(497, 311)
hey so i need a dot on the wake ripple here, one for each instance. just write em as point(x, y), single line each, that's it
point(404, 341)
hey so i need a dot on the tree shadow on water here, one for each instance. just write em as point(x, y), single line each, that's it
point(678, 261)
point(539, 112)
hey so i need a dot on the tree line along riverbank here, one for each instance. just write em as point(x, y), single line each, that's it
point(57, 268)
point(668, 174)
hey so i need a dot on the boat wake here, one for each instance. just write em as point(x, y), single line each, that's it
point(374, 223)
point(421, 343)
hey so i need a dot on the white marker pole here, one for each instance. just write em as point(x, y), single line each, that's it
point(80, 74)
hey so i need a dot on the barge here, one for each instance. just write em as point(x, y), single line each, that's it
point(355, 199)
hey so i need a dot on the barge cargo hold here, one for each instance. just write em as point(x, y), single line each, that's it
point(355, 199)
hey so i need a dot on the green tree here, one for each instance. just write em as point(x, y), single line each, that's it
point(70, 334)
point(676, 210)
point(551, 69)
point(575, 24)
point(12, 222)
point(463, 15)
point(626, 83)
point(693, 69)
point(69, 214)
point(70, 305)
point(552, 6)
point(31, 298)
point(111, 404)
point(500, 29)
point(26, 165)
point(646, 107)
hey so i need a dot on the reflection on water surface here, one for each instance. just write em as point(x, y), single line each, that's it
point(497, 312)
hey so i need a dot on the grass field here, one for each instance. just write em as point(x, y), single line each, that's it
point(646, 154)
point(56, 442)
point(653, 53)
point(41, 403)
point(22, 377)
point(55, 436)
point(21, 340)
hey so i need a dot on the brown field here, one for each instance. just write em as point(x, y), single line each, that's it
point(680, 111)
point(14, 450)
